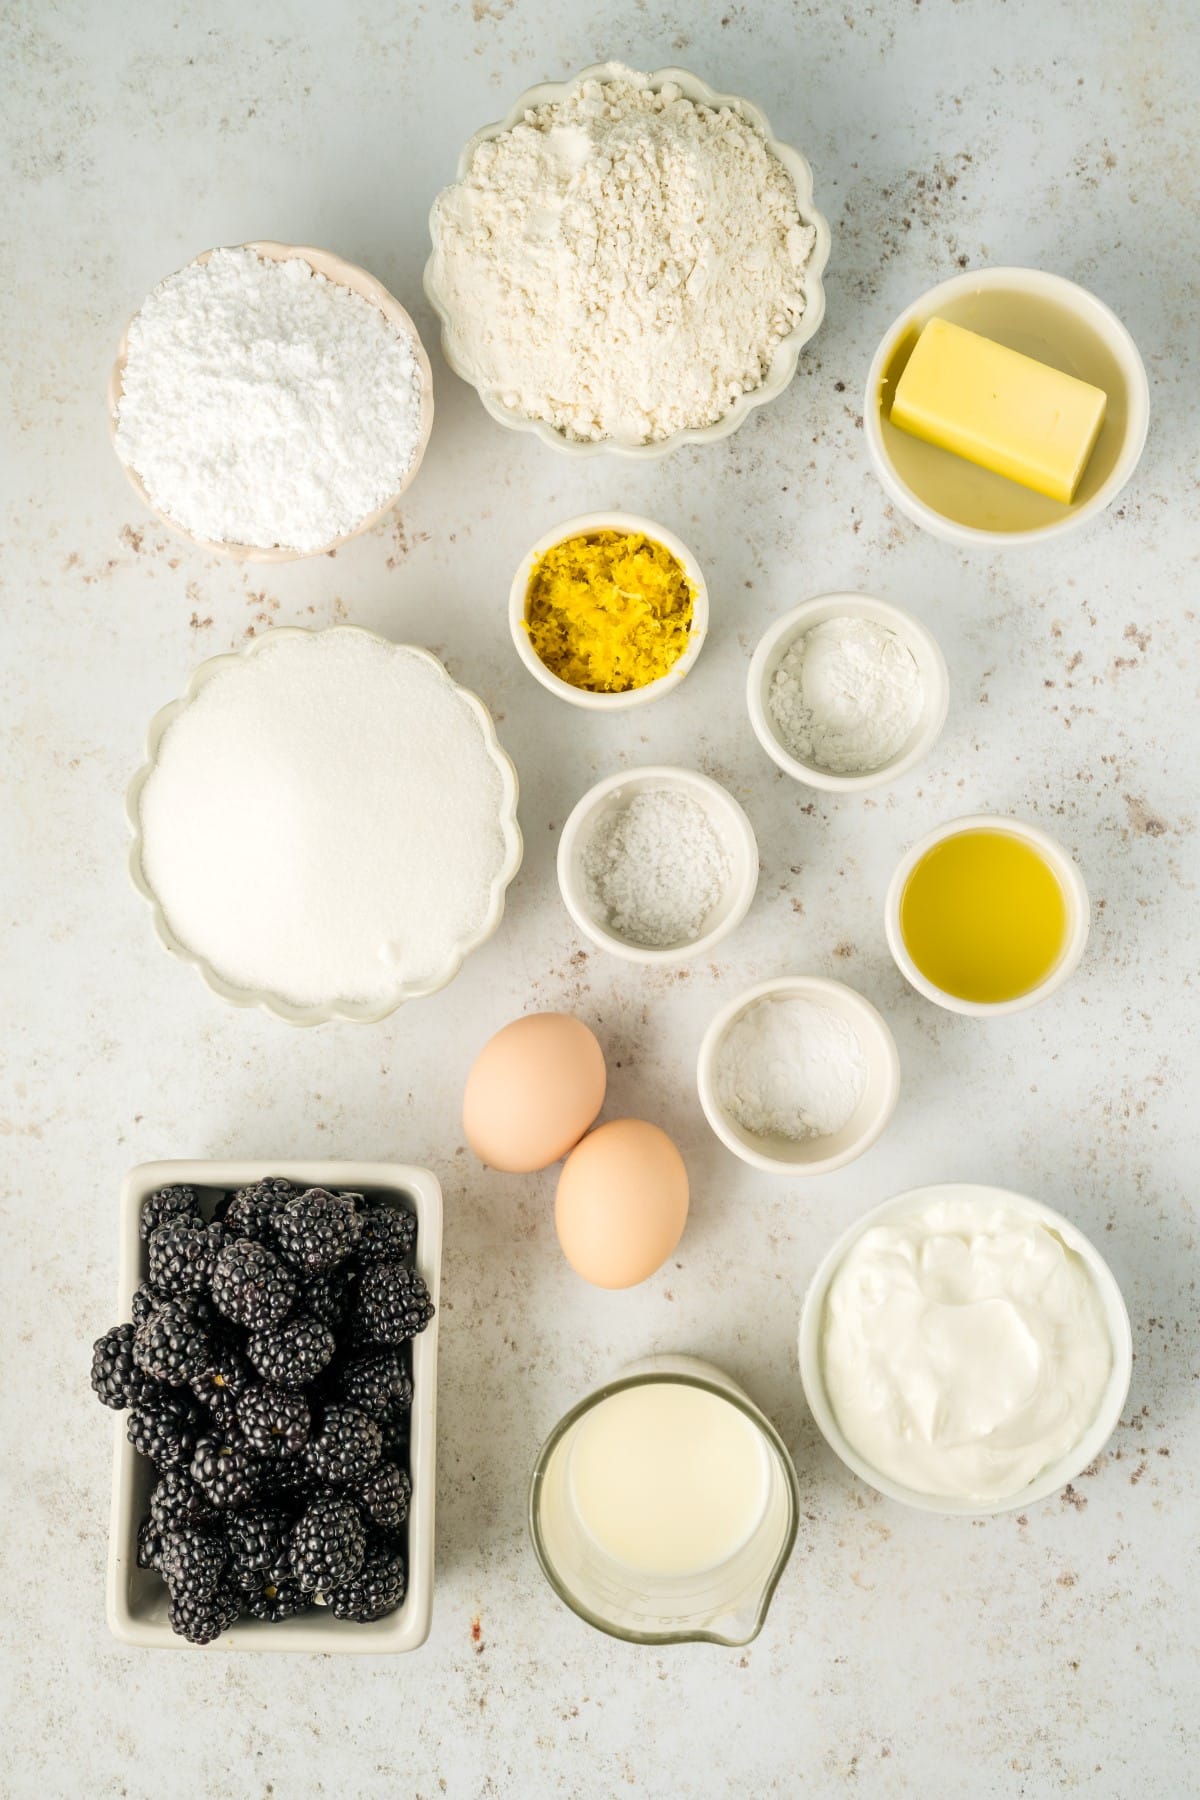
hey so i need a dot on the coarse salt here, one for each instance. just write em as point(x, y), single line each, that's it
point(324, 820)
point(655, 869)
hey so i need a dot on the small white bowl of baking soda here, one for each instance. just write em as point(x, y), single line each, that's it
point(846, 692)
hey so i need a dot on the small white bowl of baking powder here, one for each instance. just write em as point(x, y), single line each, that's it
point(798, 1076)
point(847, 692)
point(658, 865)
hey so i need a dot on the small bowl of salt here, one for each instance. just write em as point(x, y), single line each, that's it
point(847, 692)
point(798, 1076)
point(657, 865)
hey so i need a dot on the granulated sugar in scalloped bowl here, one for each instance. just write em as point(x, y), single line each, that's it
point(326, 821)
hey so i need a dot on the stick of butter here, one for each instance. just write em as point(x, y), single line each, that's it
point(999, 409)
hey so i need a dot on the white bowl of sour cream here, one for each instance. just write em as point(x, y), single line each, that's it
point(965, 1349)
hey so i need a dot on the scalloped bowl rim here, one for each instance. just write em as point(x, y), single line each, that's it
point(277, 1005)
point(345, 274)
point(786, 356)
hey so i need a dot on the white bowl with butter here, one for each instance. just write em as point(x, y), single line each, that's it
point(965, 1349)
point(1055, 322)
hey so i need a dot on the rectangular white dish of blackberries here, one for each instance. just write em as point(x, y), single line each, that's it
point(275, 1375)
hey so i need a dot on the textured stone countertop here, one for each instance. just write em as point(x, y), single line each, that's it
point(1046, 1652)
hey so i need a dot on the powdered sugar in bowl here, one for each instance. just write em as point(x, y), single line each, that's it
point(657, 865)
point(846, 692)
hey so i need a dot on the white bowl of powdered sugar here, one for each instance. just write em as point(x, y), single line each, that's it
point(627, 262)
point(846, 692)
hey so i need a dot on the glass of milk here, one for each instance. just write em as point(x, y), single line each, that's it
point(663, 1508)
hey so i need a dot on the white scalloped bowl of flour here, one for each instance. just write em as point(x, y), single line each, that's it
point(786, 355)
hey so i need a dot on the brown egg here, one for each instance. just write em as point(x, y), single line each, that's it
point(622, 1203)
point(534, 1090)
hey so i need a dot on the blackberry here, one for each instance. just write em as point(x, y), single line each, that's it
point(182, 1255)
point(258, 1547)
point(225, 1376)
point(149, 1544)
point(177, 1500)
point(327, 1296)
point(396, 1426)
point(166, 1430)
point(251, 1286)
point(144, 1302)
point(228, 1474)
point(346, 1446)
point(250, 1210)
point(289, 1484)
point(318, 1229)
point(376, 1589)
point(172, 1345)
point(328, 1543)
point(166, 1206)
point(276, 1600)
point(389, 1233)
point(393, 1303)
point(192, 1561)
point(200, 1621)
point(293, 1354)
point(383, 1496)
point(274, 1421)
point(117, 1381)
point(374, 1379)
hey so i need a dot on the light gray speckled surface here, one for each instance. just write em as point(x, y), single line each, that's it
point(1030, 1655)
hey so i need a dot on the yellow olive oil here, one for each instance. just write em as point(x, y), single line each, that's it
point(983, 916)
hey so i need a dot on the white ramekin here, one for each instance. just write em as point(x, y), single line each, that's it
point(773, 646)
point(136, 1598)
point(609, 521)
point(1059, 1473)
point(724, 815)
point(1075, 897)
point(347, 275)
point(787, 351)
point(815, 1155)
point(369, 1013)
point(1045, 317)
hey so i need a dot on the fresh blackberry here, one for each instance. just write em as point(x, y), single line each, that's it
point(328, 1543)
point(144, 1302)
point(327, 1296)
point(167, 1206)
point(396, 1426)
point(250, 1210)
point(117, 1381)
point(192, 1561)
point(258, 1547)
point(149, 1544)
point(393, 1303)
point(166, 1429)
point(374, 1379)
point(383, 1496)
point(293, 1354)
point(177, 1500)
point(276, 1600)
point(225, 1376)
point(200, 1621)
point(251, 1286)
point(375, 1590)
point(274, 1421)
point(228, 1474)
point(172, 1345)
point(181, 1256)
point(289, 1484)
point(389, 1233)
point(346, 1446)
point(318, 1229)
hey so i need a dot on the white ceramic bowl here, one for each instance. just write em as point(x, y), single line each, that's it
point(136, 1598)
point(816, 1155)
point(347, 275)
point(774, 645)
point(787, 352)
point(1058, 1473)
point(1055, 322)
point(1074, 893)
point(279, 1007)
point(608, 521)
point(729, 823)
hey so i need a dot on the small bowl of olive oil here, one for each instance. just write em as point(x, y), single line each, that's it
point(987, 915)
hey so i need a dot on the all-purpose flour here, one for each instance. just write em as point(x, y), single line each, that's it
point(623, 263)
point(265, 405)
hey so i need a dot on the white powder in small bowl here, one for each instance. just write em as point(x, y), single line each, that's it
point(846, 696)
point(323, 821)
point(791, 1068)
point(655, 869)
